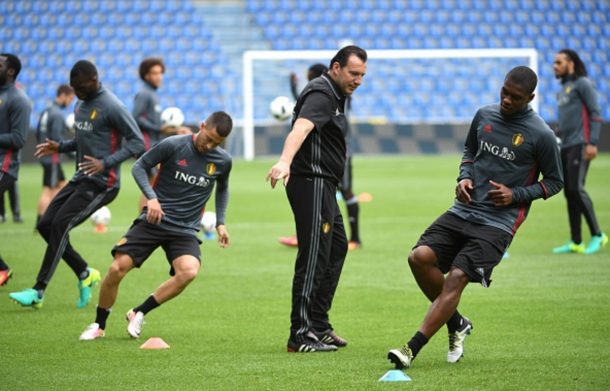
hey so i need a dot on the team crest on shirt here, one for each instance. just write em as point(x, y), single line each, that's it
point(326, 227)
point(93, 114)
point(0, 101)
point(517, 139)
point(210, 168)
point(568, 90)
point(122, 241)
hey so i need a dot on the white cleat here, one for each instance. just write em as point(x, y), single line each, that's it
point(456, 342)
point(136, 320)
point(92, 332)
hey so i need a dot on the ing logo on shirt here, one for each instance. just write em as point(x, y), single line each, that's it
point(93, 114)
point(210, 168)
point(326, 227)
point(518, 139)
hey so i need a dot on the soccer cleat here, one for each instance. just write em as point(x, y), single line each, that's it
point(310, 344)
point(596, 244)
point(85, 286)
point(456, 341)
point(136, 320)
point(92, 332)
point(329, 337)
point(5, 275)
point(27, 298)
point(289, 241)
point(353, 245)
point(401, 358)
point(570, 247)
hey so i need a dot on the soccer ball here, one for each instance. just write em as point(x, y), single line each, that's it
point(281, 108)
point(208, 222)
point(172, 116)
point(101, 216)
point(70, 122)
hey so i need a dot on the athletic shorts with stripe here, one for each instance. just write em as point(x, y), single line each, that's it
point(474, 248)
point(143, 238)
point(53, 173)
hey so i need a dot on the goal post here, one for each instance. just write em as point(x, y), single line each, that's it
point(249, 58)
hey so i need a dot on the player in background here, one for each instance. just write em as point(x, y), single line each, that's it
point(52, 126)
point(507, 148)
point(13, 198)
point(101, 123)
point(345, 185)
point(190, 166)
point(15, 110)
point(147, 110)
point(579, 128)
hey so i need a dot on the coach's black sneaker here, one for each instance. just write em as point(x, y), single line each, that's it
point(456, 341)
point(401, 358)
point(310, 344)
point(329, 337)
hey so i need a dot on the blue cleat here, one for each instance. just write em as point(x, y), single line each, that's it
point(85, 286)
point(597, 243)
point(27, 298)
point(570, 247)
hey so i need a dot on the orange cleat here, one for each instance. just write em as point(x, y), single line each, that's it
point(353, 245)
point(290, 241)
point(5, 275)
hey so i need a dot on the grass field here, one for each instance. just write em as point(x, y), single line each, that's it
point(544, 324)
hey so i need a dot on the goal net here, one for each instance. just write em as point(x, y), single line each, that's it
point(401, 87)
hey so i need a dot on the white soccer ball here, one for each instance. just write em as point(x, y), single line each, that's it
point(281, 108)
point(101, 216)
point(208, 222)
point(172, 116)
point(70, 122)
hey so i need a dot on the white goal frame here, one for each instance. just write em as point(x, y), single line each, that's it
point(251, 55)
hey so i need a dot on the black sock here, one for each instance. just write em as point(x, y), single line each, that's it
point(417, 343)
point(37, 221)
point(352, 213)
point(84, 275)
point(3, 266)
point(455, 322)
point(101, 316)
point(40, 287)
point(148, 305)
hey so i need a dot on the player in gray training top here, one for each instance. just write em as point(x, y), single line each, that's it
point(52, 126)
point(101, 122)
point(579, 128)
point(15, 112)
point(190, 166)
point(507, 148)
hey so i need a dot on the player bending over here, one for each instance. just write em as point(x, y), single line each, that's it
point(190, 165)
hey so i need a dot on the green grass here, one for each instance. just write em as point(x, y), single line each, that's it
point(543, 324)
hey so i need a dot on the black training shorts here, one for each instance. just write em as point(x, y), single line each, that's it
point(474, 248)
point(143, 238)
point(53, 174)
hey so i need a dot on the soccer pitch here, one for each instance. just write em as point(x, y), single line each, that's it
point(542, 325)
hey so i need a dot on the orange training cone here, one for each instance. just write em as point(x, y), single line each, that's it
point(100, 228)
point(365, 197)
point(155, 343)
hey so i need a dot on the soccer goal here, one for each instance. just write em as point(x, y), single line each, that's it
point(401, 86)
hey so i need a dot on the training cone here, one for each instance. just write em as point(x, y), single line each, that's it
point(100, 228)
point(155, 343)
point(395, 375)
point(365, 197)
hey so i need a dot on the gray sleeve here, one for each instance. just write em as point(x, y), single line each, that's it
point(157, 154)
point(140, 106)
point(470, 150)
point(591, 101)
point(56, 127)
point(548, 160)
point(20, 124)
point(222, 196)
point(67, 145)
point(123, 121)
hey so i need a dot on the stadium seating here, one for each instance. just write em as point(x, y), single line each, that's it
point(51, 35)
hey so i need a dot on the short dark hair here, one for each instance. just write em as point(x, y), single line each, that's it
point(316, 70)
point(524, 77)
point(221, 121)
point(344, 54)
point(148, 63)
point(13, 62)
point(64, 89)
point(83, 68)
point(580, 70)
